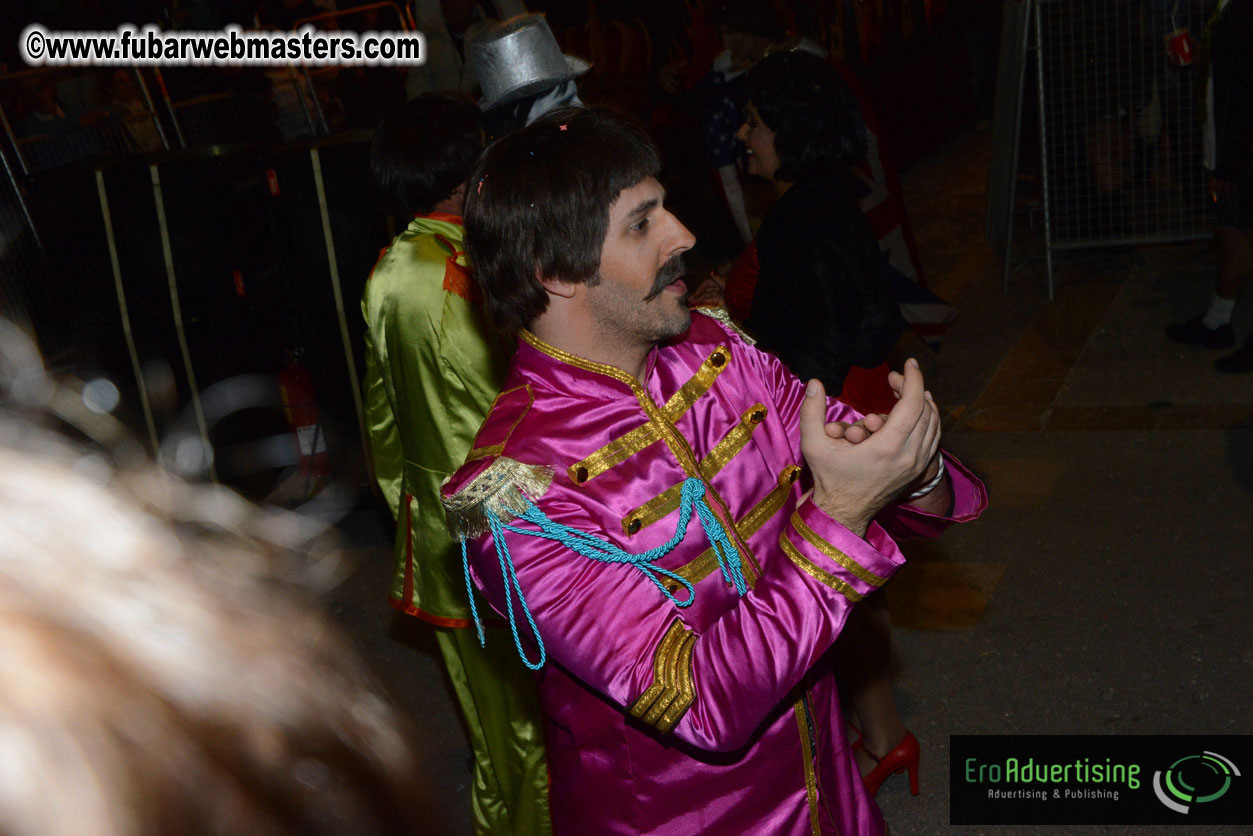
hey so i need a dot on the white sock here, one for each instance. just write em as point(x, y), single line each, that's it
point(1219, 313)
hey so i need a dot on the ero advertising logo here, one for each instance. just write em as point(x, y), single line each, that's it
point(1194, 779)
point(1099, 779)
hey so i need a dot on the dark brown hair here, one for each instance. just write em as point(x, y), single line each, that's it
point(538, 204)
point(424, 151)
point(815, 117)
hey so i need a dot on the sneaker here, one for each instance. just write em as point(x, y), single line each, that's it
point(1238, 363)
point(1194, 332)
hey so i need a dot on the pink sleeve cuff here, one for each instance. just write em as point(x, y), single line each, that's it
point(970, 497)
point(828, 552)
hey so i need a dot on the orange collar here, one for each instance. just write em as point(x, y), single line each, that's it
point(441, 216)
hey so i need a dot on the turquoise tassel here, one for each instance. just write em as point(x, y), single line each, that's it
point(594, 548)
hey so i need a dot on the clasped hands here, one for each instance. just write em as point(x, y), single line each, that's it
point(859, 468)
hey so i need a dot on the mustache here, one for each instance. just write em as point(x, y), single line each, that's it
point(674, 268)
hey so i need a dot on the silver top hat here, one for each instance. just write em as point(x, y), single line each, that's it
point(518, 58)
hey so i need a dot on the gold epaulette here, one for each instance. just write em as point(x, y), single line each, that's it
point(502, 488)
point(724, 316)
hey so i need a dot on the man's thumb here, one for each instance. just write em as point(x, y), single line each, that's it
point(813, 414)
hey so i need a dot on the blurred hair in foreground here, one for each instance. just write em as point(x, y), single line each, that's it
point(162, 677)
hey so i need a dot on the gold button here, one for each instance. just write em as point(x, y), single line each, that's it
point(580, 474)
point(634, 526)
point(758, 415)
point(717, 359)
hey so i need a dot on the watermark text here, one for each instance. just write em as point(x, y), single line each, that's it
point(230, 47)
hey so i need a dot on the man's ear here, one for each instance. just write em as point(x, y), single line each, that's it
point(556, 287)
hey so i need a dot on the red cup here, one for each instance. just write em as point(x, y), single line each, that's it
point(1179, 47)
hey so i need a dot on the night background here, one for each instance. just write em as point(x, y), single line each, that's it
point(1104, 592)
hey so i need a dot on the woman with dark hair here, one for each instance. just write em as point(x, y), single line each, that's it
point(822, 305)
point(821, 302)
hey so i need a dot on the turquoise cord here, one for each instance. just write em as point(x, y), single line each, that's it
point(595, 548)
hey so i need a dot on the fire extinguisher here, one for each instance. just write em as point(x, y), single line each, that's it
point(301, 409)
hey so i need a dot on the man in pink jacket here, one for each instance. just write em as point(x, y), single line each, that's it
point(675, 526)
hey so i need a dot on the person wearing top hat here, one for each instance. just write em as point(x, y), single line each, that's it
point(523, 74)
point(450, 27)
point(432, 371)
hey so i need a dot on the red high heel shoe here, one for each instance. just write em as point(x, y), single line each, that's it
point(903, 757)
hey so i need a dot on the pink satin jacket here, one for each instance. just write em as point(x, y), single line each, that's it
point(721, 717)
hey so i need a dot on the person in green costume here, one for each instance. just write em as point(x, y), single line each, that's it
point(433, 369)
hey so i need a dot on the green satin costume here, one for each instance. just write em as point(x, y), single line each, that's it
point(431, 375)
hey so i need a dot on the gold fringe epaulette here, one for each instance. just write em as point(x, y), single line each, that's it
point(724, 316)
point(502, 488)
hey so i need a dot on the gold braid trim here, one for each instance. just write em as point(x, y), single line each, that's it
point(854, 568)
point(577, 361)
point(502, 488)
point(615, 452)
point(665, 702)
point(721, 314)
point(707, 562)
point(497, 449)
point(686, 689)
point(772, 503)
point(697, 385)
point(822, 576)
point(731, 444)
point(652, 510)
point(626, 446)
point(484, 452)
point(807, 757)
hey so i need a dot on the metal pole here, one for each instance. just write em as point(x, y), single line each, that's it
point(299, 81)
point(1044, 148)
point(17, 148)
point(126, 318)
point(21, 200)
point(169, 107)
point(317, 105)
point(152, 108)
point(178, 320)
point(339, 301)
point(1013, 168)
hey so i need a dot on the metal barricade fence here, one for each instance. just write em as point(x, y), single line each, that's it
point(1120, 143)
point(57, 117)
point(292, 96)
point(195, 108)
point(238, 106)
point(357, 98)
point(1124, 143)
point(227, 118)
point(24, 295)
point(198, 107)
